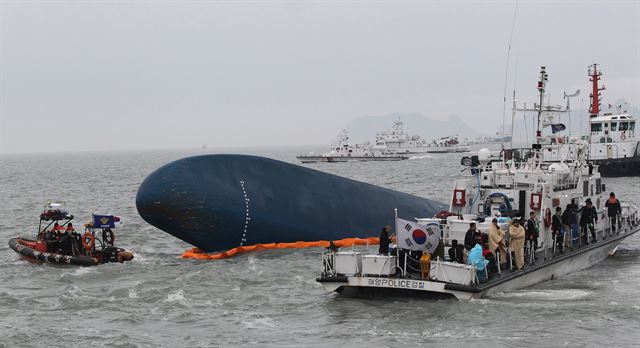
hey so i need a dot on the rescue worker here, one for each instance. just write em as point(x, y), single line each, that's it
point(496, 242)
point(588, 217)
point(472, 237)
point(533, 230)
point(556, 229)
point(384, 241)
point(456, 252)
point(613, 210)
point(516, 242)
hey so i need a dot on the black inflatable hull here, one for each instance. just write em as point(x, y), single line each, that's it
point(219, 202)
point(18, 245)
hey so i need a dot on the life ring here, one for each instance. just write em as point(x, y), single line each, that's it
point(88, 241)
point(547, 218)
point(108, 236)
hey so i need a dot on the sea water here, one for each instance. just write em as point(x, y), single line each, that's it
point(270, 298)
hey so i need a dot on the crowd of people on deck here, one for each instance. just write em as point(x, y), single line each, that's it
point(510, 248)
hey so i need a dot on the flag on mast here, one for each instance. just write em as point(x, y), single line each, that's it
point(414, 236)
point(559, 127)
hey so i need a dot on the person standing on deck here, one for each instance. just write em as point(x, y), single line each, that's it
point(533, 230)
point(516, 242)
point(384, 241)
point(588, 218)
point(566, 224)
point(496, 241)
point(613, 210)
point(556, 228)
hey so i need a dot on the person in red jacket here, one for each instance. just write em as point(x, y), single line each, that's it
point(613, 210)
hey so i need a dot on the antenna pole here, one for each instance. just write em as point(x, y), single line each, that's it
point(541, 87)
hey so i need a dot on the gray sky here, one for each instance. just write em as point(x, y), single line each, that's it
point(99, 75)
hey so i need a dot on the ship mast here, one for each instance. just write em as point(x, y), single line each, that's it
point(541, 86)
point(594, 77)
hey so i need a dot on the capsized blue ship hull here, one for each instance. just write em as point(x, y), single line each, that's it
point(219, 202)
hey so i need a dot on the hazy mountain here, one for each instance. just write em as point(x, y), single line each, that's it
point(364, 128)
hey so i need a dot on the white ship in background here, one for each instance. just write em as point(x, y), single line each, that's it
point(342, 151)
point(397, 141)
point(393, 145)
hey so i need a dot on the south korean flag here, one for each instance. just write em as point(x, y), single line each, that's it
point(414, 236)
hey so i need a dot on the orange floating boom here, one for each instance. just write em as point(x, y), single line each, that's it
point(195, 253)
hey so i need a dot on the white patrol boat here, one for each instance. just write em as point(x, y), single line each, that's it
point(397, 141)
point(342, 151)
point(512, 187)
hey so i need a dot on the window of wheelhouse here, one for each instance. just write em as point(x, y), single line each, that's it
point(632, 125)
point(596, 127)
point(614, 126)
point(624, 126)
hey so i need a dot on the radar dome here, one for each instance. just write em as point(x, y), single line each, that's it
point(484, 155)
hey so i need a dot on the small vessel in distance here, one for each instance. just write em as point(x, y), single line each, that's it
point(342, 151)
point(448, 144)
point(515, 188)
point(58, 242)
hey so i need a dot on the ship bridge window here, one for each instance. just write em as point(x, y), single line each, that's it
point(606, 140)
point(596, 127)
point(614, 126)
point(624, 126)
point(632, 125)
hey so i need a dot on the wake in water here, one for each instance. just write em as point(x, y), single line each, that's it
point(544, 295)
point(420, 157)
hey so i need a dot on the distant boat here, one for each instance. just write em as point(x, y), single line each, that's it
point(397, 141)
point(448, 145)
point(342, 151)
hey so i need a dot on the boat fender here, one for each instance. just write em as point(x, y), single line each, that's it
point(108, 236)
point(547, 218)
point(88, 241)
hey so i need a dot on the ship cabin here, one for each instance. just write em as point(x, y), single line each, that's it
point(519, 183)
point(613, 136)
